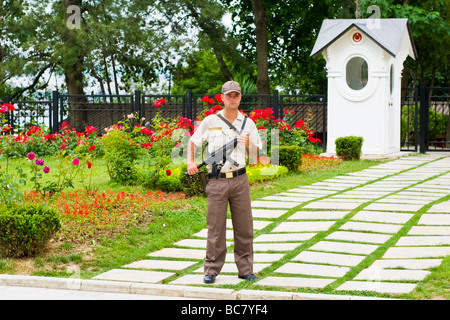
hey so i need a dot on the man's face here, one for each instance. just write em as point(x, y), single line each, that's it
point(232, 100)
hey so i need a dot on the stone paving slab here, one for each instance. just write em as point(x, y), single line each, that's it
point(443, 207)
point(377, 274)
point(404, 201)
point(423, 241)
point(134, 275)
point(274, 204)
point(313, 191)
point(416, 252)
point(393, 207)
point(377, 286)
point(435, 219)
point(420, 188)
point(341, 200)
point(257, 224)
point(277, 247)
point(179, 253)
point(160, 264)
point(288, 199)
point(284, 237)
point(194, 243)
point(229, 235)
point(303, 226)
point(344, 247)
point(372, 227)
point(294, 282)
point(332, 205)
point(359, 237)
point(259, 257)
point(313, 269)
point(354, 196)
point(407, 263)
point(380, 216)
point(338, 259)
point(318, 215)
point(267, 214)
point(413, 195)
point(430, 230)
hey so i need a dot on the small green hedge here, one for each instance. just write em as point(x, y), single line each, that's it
point(289, 156)
point(26, 229)
point(349, 147)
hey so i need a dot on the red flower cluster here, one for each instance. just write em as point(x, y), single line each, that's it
point(6, 107)
point(159, 103)
point(316, 162)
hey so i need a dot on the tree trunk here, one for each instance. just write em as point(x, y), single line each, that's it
point(358, 10)
point(74, 74)
point(262, 47)
point(77, 98)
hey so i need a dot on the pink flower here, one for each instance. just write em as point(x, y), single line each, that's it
point(157, 104)
point(39, 162)
point(4, 109)
point(46, 169)
point(31, 156)
point(76, 161)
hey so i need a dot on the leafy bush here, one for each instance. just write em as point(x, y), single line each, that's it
point(26, 229)
point(349, 147)
point(121, 153)
point(260, 173)
point(289, 156)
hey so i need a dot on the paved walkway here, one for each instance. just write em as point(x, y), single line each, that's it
point(380, 229)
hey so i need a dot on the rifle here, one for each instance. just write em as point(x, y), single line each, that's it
point(216, 158)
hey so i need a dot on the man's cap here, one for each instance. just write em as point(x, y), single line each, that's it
point(231, 86)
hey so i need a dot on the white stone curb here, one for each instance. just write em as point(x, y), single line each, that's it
point(164, 290)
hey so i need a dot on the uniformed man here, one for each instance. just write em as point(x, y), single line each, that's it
point(231, 185)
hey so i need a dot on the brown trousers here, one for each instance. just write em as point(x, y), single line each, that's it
point(236, 192)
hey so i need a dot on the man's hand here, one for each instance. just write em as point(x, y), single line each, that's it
point(245, 140)
point(192, 168)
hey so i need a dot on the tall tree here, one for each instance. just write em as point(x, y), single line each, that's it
point(291, 29)
point(111, 41)
point(262, 46)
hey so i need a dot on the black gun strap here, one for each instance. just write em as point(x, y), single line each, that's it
point(231, 126)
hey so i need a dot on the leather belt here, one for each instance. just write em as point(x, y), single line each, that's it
point(232, 174)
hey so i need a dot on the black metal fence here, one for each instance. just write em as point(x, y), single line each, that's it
point(102, 111)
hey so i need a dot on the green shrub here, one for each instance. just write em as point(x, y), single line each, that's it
point(289, 156)
point(349, 147)
point(26, 229)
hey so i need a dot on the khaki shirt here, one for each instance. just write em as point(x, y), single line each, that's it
point(217, 133)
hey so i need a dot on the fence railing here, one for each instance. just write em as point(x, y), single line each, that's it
point(102, 111)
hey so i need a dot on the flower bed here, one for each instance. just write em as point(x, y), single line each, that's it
point(311, 162)
point(87, 213)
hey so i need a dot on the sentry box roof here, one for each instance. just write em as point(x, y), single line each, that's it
point(387, 33)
